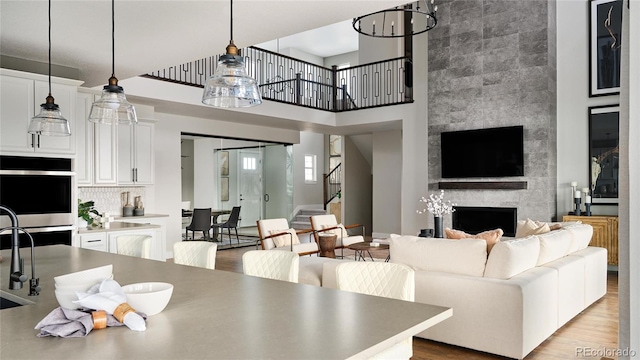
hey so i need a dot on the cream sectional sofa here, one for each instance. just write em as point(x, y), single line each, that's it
point(511, 301)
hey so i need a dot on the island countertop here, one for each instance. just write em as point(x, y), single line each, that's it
point(212, 314)
point(117, 226)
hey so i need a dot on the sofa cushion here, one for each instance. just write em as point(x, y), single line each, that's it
point(466, 256)
point(529, 227)
point(580, 236)
point(285, 240)
point(512, 257)
point(490, 236)
point(554, 245)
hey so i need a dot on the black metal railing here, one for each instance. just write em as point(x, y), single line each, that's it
point(284, 79)
point(332, 187)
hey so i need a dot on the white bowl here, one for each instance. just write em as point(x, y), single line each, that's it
point(80, 286)
point(92, 276)
point(65, 299)
point(148, 297)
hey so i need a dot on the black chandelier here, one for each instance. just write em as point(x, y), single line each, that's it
point(408, 20)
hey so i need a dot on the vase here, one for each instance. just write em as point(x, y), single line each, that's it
point(438, 227)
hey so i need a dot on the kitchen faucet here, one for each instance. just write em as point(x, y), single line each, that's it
point(16, 275)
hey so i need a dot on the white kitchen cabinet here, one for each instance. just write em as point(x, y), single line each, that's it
point(135, 154)
point(94, 241)
point(84, 140)
point(22, 94)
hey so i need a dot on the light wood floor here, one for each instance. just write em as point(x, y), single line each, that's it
point(596, 327)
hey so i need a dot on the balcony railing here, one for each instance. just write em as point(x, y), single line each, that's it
point(284, 79)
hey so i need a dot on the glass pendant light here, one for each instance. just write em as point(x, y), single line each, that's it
point(113, 108)
point(231, 86)
point(50, 121)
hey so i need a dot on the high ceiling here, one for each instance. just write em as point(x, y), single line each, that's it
point(154, 34)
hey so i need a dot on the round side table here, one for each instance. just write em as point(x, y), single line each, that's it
point(327, 245)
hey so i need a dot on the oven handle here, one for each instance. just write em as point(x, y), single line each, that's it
point(37, 172)
point(44, 229)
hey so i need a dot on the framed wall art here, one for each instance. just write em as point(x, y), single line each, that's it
point(224, 189)
point(605, 37)
point(604, 154)
point(224, 163)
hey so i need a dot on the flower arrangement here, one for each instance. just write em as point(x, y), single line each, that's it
point(87, 212)
point(436, 205)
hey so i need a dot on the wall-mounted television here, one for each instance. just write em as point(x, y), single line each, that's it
point(492, 152)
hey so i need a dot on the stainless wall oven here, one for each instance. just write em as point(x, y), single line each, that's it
point(41, 191)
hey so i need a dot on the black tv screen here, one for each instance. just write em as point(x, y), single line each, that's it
point(494, 152)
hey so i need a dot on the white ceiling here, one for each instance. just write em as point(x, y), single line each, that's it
point(154, 34)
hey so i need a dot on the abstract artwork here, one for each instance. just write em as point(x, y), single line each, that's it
point(604, 153)
point(605, 37)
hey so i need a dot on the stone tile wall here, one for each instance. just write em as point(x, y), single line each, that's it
point(492, 63)
point(109, 199)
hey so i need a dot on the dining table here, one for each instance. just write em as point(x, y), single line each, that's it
point(212, 314)
point(215, 213)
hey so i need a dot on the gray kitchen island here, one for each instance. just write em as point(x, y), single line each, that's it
point(212, 314)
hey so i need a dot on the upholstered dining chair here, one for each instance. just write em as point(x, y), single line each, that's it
point(275, 234)
point(276, 265)
point(195, 253)
point(200, 221)
point(231, 223)
point(134, 245)
point(396, 281)
point(328, 224)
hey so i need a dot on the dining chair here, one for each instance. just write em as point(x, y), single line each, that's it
point(231, 223)
point(396, 281)
point(276, 265)
point(328, 224)
point(200, 221)
point(275, 234)
point(134, 245)
point(195, 253)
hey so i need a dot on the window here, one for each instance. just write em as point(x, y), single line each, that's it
point(249, 163)
point(310, 169)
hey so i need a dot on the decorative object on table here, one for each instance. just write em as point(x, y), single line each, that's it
point(426, 233)
point(138, 207)
point(576, 200)
point(127, 208)
point(64, 323)
point(604, 153)
point(574, 187)
point(87, 214)
point(231, 86)
point(149, 298)
point(587, 201)
point(49, 121)
point(605, 37)
point(437, 207)
point(381, 24)
point(110, 297)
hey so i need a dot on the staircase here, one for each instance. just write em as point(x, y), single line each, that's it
point(301, 219)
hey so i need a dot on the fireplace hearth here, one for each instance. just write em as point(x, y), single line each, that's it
point(474, 220)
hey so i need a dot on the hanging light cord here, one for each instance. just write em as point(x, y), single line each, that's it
point(231, 22)
point(49, 47)
point(113, 38)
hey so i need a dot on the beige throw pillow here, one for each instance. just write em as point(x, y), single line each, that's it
point(284, 240)
point(490, 236)
point(530, 227)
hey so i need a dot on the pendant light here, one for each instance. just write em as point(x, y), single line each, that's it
point(50, 121)
point(113, 108)
point(231, 86)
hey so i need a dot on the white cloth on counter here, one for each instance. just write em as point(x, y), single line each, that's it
point(107, 296)
point(63, 322)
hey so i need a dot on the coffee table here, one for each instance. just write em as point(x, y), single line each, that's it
point(327, 244)
point(361, 247)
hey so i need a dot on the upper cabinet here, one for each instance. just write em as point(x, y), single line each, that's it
point(112, 155)
point(21, 95)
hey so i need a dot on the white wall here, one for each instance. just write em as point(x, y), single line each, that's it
point(356, 187)
point(387, 165)
point(301, 55)
point(205, 184)
point(186, 162)
point(348, 58)
point(308, 194)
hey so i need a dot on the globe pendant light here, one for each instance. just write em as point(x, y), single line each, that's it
point(231, 86)
point(50, 121)
point(113, 108)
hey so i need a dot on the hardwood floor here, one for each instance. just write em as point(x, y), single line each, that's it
point(596, 327)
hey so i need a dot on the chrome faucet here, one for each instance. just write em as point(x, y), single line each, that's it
point(17, 276)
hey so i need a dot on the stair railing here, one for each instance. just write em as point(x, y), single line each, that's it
point(331, 184)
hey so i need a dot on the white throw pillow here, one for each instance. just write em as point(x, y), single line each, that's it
point(466, 256)
point(554, 245)
point(529, 227)
point(284, 240)
point(581, 236)
point(512, 257)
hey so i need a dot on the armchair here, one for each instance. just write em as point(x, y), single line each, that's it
point(329, 224)
point(275, 234)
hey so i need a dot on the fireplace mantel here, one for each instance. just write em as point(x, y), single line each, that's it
point(483, 185)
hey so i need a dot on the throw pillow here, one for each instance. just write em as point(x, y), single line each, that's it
point(337, 232)
point(490, 236)
point(284, 240)
point(529, 227)
point(552, 227)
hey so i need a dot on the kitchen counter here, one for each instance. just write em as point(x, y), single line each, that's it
point(118, 226)
point(145, 216)
point(212, 314)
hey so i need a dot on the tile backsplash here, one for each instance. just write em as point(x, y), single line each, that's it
point(110, 199)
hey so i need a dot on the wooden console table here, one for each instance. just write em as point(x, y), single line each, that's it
point(605, 233)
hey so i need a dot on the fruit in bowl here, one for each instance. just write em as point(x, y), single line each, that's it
point(148, 297)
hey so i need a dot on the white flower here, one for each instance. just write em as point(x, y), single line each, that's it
point(436, 205)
